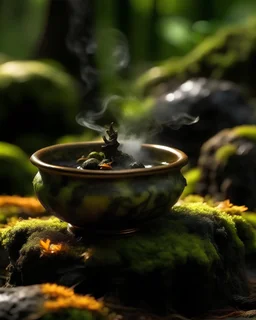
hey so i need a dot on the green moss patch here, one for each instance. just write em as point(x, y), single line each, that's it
point(246, 131)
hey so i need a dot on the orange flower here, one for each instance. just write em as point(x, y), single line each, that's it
point(228, 207)
point(49, 248)
point(224, 204)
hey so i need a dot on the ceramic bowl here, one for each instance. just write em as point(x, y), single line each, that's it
point(108, 200)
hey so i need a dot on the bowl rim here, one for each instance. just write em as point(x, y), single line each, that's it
point(35, 159)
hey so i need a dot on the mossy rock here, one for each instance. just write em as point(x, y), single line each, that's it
point(16, 171)
point(38, 101)
point(230, 54)
point(162, 267)
point(227, 165)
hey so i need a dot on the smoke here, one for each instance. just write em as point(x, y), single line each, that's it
point(101, 53)
point(171, 111)
point(173, 121)
point(89, 118)
point(114, 46)
point(81, 41)
point(105, 56)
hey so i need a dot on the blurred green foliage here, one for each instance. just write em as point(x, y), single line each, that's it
point(21, 24)
point(16, 171)
point(155, 29)
point(178, 26)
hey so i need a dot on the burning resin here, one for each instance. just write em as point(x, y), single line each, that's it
point(110, 157)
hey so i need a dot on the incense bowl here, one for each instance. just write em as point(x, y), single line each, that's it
point(115, 201)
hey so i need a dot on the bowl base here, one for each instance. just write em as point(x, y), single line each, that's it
point(84, 232)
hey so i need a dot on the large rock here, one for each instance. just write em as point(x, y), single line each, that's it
point(38, 104)
point(190, 261)
point(217, 104)
point(228, 167)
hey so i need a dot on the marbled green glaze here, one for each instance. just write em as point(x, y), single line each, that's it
point(108, 202)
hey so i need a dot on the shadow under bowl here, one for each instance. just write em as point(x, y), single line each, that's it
point(108, 201)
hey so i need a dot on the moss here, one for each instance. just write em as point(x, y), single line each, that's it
point(192, 176)
point(228, 54)
point(14, 237)
point(250, 217)
point(246, 131)
point(16, 171)
point(140, 247)
point(247, 233)
point(245, 222)
point(218, 216)
point(144, 254)
point(223, 153)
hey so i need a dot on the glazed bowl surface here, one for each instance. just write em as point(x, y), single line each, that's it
point(107, 199)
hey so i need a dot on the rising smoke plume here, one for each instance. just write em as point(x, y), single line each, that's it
point(82, 41)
